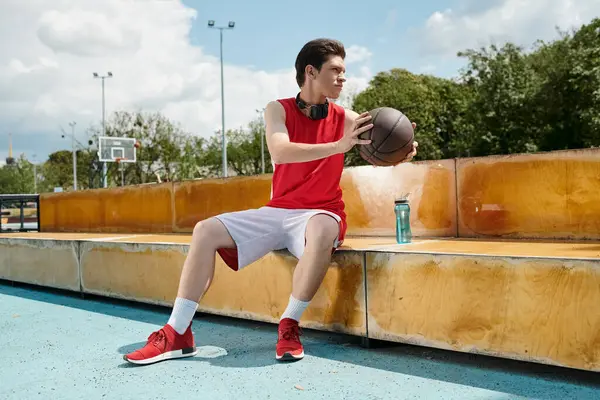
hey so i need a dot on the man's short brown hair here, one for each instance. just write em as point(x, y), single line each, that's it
point(316, 53)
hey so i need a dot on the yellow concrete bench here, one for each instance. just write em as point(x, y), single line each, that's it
point(506, 257)
point(535, 301)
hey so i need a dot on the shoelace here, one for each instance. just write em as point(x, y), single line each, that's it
point(158, 338)
point(291, 333)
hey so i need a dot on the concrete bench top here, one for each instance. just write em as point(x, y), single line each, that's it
point(454, 246)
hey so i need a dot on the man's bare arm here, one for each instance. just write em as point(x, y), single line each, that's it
point(282, 150)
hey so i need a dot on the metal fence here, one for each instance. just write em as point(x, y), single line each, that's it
point(17, 213)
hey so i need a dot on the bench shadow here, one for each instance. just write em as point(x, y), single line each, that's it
point(235, 343)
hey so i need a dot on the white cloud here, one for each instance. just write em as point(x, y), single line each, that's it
point(357, 54)
point(477, 23)
point(49, 50)
point(86, 33)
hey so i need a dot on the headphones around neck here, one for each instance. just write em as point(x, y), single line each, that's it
point(317, 111)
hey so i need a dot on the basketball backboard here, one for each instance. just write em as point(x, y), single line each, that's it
point(111, 149)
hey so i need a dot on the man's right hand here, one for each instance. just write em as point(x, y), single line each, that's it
point(350, 138)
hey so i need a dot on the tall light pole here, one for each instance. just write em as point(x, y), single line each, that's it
point(72, 125)
point(262, 141)
point(102, 77)
point(231, 25)
point(262, 152)
point(34, 163)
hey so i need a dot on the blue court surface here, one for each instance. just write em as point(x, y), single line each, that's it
point(57, 345)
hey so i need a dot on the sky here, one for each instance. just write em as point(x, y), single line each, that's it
point(163, 56)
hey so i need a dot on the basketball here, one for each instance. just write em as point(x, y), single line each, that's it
point(391, 138)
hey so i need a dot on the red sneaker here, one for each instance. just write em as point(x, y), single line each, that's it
point(289, 347)
point(164, 344)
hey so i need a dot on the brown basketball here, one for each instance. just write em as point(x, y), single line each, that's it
point(391, 137)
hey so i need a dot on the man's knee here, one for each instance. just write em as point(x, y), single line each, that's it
point(212, 233)
point(321, 232)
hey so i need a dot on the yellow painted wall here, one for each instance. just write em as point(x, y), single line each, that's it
point(543, 310)
point(200, 199)
point(143, 208)
point(548, 195)
point(51, 263)
point(150, 273)
point(369, 194)
point(551, 195)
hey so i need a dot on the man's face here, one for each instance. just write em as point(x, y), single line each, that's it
point(330, 80)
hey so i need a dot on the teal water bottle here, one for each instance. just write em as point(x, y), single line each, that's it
point(402, 210)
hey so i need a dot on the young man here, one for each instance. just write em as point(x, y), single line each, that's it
point(307, 137)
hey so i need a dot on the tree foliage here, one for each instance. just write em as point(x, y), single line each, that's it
point(17, 178)
point(243, 150)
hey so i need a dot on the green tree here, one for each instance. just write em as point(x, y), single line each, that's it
point(569, 99)
point(17, 178)
point(504, 83)
point(243, 151)
point(57, 171)
point(545, 99)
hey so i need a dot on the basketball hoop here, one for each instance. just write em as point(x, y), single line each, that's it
point(117, 149)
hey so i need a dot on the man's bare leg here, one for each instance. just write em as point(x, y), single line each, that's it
point(321, 232)
point(198, 270)
point(199, 266)
point(175, 339)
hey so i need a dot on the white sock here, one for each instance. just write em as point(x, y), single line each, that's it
point(182, 314)
point(294, 309)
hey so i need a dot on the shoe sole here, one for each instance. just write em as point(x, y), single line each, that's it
point(169, 355)
point(289, 357)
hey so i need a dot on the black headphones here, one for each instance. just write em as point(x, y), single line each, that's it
point(317, 111)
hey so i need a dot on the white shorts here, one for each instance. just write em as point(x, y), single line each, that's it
point(257, 232)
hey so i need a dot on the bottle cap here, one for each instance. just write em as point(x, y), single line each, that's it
point(402, 198)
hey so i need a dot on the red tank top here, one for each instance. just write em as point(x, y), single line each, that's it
point(313, 184)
